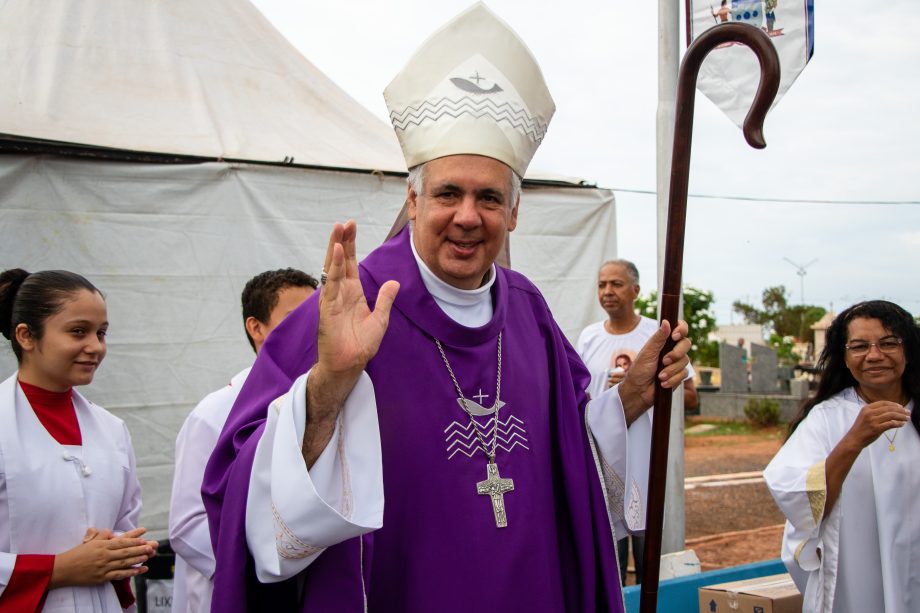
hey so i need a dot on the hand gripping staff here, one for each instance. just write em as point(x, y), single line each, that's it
point(760, 44)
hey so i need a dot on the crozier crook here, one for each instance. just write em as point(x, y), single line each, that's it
point(760, 44)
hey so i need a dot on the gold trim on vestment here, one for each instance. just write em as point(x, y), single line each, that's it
point(798, 552)
point(816, 488)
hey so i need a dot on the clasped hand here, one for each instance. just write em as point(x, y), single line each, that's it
point(103, 557)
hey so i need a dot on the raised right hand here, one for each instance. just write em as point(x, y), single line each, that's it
point(348, 337)
point(875, 418)
point(101, 558)
point(349, 332)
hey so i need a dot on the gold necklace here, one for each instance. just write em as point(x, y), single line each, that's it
point(891, 438)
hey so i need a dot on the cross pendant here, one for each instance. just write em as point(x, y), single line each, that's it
point(495, 487)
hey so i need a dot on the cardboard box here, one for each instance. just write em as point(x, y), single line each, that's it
point(773, 594)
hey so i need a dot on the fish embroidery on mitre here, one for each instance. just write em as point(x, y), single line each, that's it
point(477, 89)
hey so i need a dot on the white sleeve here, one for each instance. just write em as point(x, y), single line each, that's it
point(129, 514)
point(7, 560)
point(293, 514)
point(189, 534)
point(580, 344)
point(624, 456)
point(7, 564)
point(796, 478)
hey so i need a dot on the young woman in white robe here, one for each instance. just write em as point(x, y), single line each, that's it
point(69, 495)
point(847, 478)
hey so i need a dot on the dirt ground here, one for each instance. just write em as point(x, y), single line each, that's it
point(738, 524)
point(735, 524)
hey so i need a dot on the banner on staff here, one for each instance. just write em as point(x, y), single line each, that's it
point(730, 73)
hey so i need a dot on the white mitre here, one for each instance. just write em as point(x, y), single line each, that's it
point(473, 87)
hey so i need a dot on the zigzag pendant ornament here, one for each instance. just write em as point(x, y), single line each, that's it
point(461, 440)
point(494, 486)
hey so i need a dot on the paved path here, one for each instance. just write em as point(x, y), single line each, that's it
point(745, 478)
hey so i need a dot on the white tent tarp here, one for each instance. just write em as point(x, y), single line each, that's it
point(209, 78)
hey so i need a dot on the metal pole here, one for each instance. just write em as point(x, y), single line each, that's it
point(668, 61)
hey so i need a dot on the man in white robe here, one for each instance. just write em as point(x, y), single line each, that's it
point(608, 348)
point(267, 299)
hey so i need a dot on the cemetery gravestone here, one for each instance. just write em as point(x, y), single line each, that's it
point(734, 370)
point(764, 367)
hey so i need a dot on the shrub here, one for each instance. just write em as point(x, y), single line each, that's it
point(762, 412)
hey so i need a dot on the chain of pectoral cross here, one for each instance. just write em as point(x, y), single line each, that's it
point(498, 390)
point(494, 486)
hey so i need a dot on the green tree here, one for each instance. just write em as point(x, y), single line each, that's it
point(699, 317)
point(781, 318)
point(785, 349)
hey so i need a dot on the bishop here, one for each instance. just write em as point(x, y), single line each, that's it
point(334, 462)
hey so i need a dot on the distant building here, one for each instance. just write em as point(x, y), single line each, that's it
point(820, 327)
point(751, 333)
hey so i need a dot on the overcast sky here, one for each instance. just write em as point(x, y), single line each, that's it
point(847, 130)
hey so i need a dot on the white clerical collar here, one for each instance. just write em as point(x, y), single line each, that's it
point(468, 307)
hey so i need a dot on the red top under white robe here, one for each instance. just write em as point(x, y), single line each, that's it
point(24, 583)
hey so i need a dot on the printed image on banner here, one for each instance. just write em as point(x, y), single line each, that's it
point(730, 73)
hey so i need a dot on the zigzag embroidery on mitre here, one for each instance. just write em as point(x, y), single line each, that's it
point(432, 105)
point(461, 438)
point(433, 110)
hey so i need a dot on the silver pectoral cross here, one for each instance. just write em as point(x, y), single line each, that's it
point(495, 487)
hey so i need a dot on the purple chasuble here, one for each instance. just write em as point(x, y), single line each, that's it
point(439, 547)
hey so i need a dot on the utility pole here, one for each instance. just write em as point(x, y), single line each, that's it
point(669, 52)
point(800, 270)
